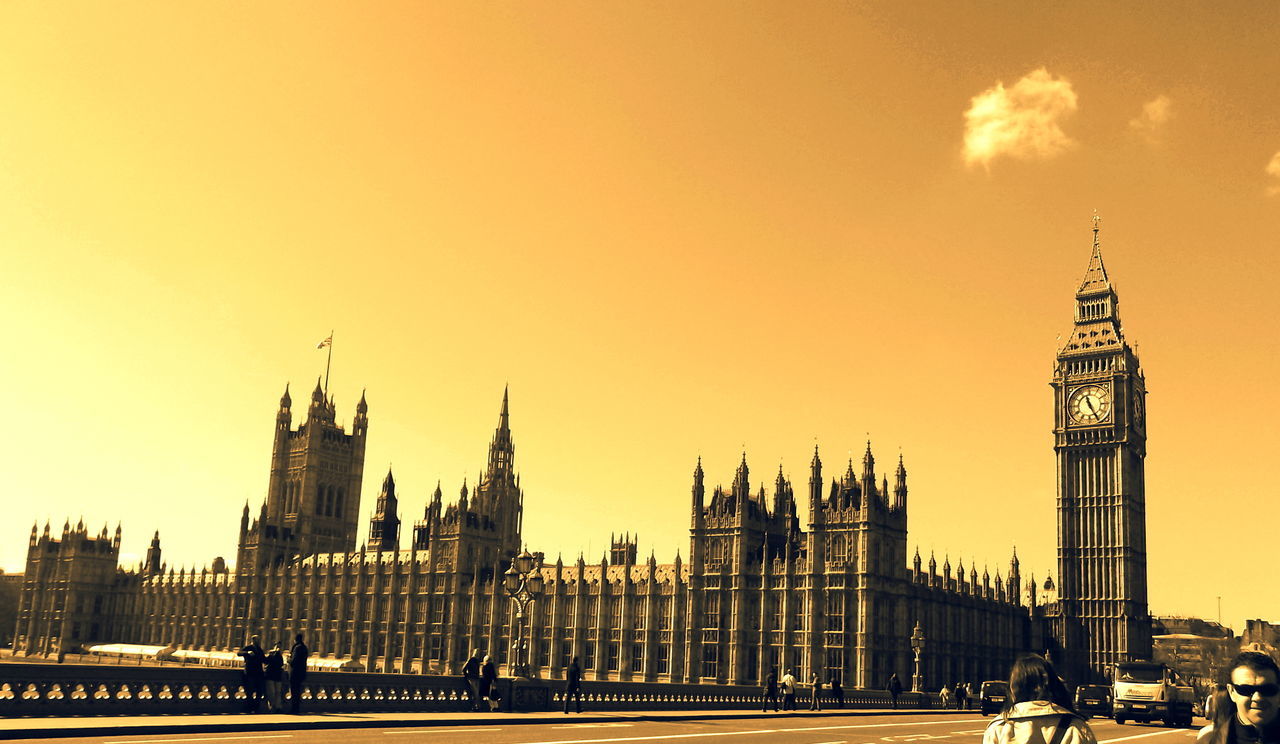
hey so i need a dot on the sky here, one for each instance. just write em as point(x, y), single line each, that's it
point(675, 230)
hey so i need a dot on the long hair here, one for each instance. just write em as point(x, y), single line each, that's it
point(1224, 714)
point(1033, 678)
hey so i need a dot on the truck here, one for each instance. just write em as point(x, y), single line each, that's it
point(1150, 691)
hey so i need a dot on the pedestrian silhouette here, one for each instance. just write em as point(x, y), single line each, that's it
point(273, 668)
point(573, 685)
point(471, 678)
point(770, 690)
point(815, 682)
point(254, 674)
point(895, 689)
point(788, 690)
point(489, 683)
point(297, 673)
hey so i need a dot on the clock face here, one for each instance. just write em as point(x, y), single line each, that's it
point(1089, 404)
point(1139, 414)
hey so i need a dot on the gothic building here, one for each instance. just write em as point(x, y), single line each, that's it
point(821, 583)
point(1100, 438)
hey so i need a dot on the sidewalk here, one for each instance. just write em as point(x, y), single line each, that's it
point(32, 728)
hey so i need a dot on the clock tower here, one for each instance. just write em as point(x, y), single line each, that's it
point(1100, 441)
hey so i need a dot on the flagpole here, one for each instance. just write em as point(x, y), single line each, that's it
point(327, 362)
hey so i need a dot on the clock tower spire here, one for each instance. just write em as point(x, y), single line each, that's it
point(1101, 444)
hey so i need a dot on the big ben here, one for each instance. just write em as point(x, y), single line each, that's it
point(1101, 443)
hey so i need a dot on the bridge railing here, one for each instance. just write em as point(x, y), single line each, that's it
point(80, 690)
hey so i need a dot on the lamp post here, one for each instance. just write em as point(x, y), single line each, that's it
point(917, 645)
point(523, 582)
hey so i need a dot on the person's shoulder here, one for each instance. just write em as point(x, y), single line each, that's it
point(1083, 731)
point(1205, 734)
point(998, 730)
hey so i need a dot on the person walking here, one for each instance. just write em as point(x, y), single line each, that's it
point(1217, 696)
point(815, 684)
point(944, 696)
point(471, 678)
point(788, 690)
point(1038, 709)
point(273, 668)
point(254, 674)
point(770, 690)
point(489, 683)
point(573, 685)
point(1248, 713)
point(297, 673)
point(837, 690)
point(962, 695)
point(895, 689)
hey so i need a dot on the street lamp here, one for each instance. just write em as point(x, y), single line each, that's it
point(523, 582)
point(917, 645)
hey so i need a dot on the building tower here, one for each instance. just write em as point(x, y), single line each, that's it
point(384, 525)
point(1101, 443)
point(481, 532)
point(313, 496)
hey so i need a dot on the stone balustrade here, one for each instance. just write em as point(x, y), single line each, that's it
point(79, 690)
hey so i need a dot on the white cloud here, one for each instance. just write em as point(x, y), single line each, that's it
point(1273, 170)
point(1154, 115)
point(1020, 121)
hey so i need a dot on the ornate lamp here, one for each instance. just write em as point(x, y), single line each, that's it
point(523, 583)
point(917, 645)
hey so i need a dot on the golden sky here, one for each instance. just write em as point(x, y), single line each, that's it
point(675, 229)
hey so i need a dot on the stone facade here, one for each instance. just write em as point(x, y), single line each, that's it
point(757, 591)
point(837, 595)
point(1101, 444)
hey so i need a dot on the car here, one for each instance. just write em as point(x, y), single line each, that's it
point(991, 696)
point(1093, 700)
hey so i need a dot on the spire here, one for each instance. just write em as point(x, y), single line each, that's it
point(1097, 315)
point(502, 450)
point(363, 406)
point(152, 564)
point(699, 492)
point(900, 485)
point(285, 400)
point(815, 486)
point(384, 526)
point(741, 488)
point(1095, 276)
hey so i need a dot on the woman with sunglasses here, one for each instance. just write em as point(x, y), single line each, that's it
point(1248, 713)
point(1037, 709)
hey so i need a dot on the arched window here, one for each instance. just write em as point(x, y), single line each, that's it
point(320, 500)
point(331, 507)
point(342, 499)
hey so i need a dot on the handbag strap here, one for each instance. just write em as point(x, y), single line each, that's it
point(1061, 731)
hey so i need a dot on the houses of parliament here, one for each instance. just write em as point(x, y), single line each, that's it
point(822, 581)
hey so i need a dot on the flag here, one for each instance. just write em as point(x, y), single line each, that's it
point(327, 342)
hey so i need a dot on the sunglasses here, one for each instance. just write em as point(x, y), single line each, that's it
point(1270, 689)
